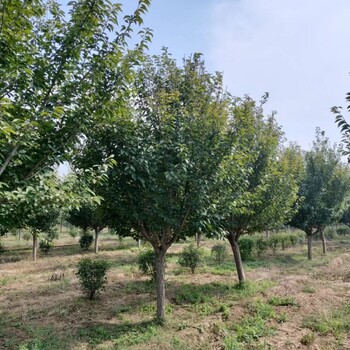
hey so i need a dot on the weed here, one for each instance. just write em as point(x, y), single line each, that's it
point(231, 343)
point(281, 317)
point(336, 323)
point(308, 338)
point(280, 301)
point(251, 328)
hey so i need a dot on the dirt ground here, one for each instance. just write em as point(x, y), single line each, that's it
point(37, 312)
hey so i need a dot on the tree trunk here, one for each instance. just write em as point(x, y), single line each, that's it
point(267, 232)
point(160, 285)
point(232, 238)
point(19, 234)
point(35, 246)
point(139, 243)
point(323, 238)
point(97, 231)
point(199, 238)
point(309, 246)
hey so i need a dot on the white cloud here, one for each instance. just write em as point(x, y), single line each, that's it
point(295, 49)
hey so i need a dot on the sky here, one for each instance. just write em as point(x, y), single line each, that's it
point(296, 50)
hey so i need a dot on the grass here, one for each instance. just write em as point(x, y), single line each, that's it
point(206, 310)
point(335, 322)
point(282, 301)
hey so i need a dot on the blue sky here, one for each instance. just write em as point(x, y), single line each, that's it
point(296, 50)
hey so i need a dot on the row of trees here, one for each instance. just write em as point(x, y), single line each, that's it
point(160, 151)
point(190, 158)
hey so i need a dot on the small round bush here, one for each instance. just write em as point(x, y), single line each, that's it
point(26, 236)
point(220, 252)
point(73, 232)
point(246, 246)
point(85, 241)
point(341, 231)
point(147, 262)
point(45, 245)
point(191, 257)
point(273, 242)
point(261, 245)
point(92, 275)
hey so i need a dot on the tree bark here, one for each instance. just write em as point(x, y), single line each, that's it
point(35, 246)
point(309, 246)
point(139, 243)
point(323, 238)
point(198, 238)
point(97, 232)
point(160, 285)
point(267, 232)
point(233, 239)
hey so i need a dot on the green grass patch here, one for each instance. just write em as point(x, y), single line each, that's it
point(282, 301)
point(336, 323)
point(126, 334)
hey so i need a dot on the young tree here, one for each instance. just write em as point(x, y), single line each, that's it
point(167, 152)
point(261, 197)
point(60, 75)
point(323, 190)
point(88, 216)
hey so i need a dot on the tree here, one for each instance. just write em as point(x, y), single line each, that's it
point(88, 216)
point(344, 126)
point(323, 190)
point(261, 196)
point(61, 73)
point(167, 152)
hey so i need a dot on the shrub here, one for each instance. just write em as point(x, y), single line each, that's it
point(246, 246)
point(147, 262)
point(284, 239)
point(85, 241)
point(26, 236)
point(261, 245)
point(52, 234)
point(45, 245)
point(273, 242)
point(73, 232)
point(191, 257)
point(220, 252)
point(92, 275)
point(341, 231)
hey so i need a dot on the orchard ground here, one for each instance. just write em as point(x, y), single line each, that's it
point(289, 302)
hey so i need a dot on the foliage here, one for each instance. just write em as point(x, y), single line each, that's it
point(73, 232)
point(60, 73)
point(323, 189)
point(146, 261)
point(167, 148)
point(343, 231)
point(246, 246)
point(261, 245)
point(86, 240)
point(45, 245)
point(258, 182)
point(220, 252)
point(92, 275)
point(88, 215)
point(191, 257)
